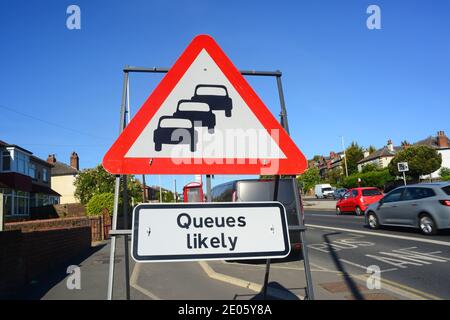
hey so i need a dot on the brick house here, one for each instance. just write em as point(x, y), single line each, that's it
point(24, 181)
point(382, 157)
point(63, 177)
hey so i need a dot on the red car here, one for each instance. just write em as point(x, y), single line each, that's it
point(357, 200)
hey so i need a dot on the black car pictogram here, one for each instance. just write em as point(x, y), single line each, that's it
point(174, 130)
point(197, 112)
point(217, 101)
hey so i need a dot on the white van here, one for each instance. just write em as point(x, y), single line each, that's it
point(323, 191)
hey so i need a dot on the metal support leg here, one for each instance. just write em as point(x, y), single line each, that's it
point(113, 240)
point(266, 276)
point(309, 283)
point(125, 237)
point(208, 188)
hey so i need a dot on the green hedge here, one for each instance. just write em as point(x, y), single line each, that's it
point(377, 179)
point(99, 202)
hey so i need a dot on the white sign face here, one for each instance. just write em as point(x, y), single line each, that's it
point(402, 166)
point(209, 231)
point(221, 131)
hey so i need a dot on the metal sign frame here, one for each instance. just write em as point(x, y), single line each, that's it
point(126, 231)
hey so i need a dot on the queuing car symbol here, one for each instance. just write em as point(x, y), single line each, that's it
point(214, 95)
point(197, 112)
point(173, 130)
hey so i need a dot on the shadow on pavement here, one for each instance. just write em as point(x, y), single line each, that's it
point(340, 267)
point(41, 285)
point(287, 293)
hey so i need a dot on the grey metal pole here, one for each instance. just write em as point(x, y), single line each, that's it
point(113, 240)
point(175, 190)
point(208, 188)
point(404, 178)
point(282, 104)
point(125, 237)
point(122, 125)
point(144, 189)
point(266, 276)
point(165, 70)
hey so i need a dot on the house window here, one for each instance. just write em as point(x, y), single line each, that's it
point(7, 201)
point(15, 202)
point(32, 171)
point(44, 175)
point(21, 163)
point(6, 161)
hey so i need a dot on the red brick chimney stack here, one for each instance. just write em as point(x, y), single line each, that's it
point(51, 158)
point(75, 161)
point(442, 139)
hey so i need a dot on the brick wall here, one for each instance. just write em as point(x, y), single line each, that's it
point(33, 249)
point(58, 210)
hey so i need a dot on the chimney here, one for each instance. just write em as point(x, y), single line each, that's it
point(51, 158)
point(366, 153)
point(390, 146)
point(442, 140)
point(332, 155)
point(74, 161)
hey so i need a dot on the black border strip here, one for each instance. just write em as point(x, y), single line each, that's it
point(217, 256)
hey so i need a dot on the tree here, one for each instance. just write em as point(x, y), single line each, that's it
point(99, 202)
point(377, 179)
point(371, 149)
point(308, 179)
point(369, 167)
point(335, 176)
point(167, 196)
point(94, 181)
point(354, 153)
point(445, 173)
point(422, 160)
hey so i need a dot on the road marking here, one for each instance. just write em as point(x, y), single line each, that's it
point(133, 282)
point(443, 243)
point(210, 272)
point(364, 267)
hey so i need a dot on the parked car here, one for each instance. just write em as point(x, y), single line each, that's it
point(357, 200)
point(425, 206)
point(214, 95)
point(263, 190)
point(323, 190)
point(197, 112)
point(339, 193)
point(172, 130)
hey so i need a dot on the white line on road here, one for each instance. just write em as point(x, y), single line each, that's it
point(443, 243)
point(364, 267)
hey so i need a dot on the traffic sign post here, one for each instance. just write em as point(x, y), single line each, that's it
point(209, 231)
point(128, 154)
point(403, 167)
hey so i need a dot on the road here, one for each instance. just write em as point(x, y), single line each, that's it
point(407, 259)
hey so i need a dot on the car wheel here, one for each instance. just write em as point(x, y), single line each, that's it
point(427, 225)
point(210, 130)
point(158, 146)
point(338, 211)
point(358, 211)
point(227, 113)
point(372, 221)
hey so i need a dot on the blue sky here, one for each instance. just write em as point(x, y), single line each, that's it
point(61, 89)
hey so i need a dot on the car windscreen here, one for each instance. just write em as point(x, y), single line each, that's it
point(211, 91)
point(326, 189)
point(446, 190)
point(264, 190)
point(175, 123)
point(371, 192)
point(194, 106)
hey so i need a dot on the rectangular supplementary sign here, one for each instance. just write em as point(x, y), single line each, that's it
point(209, 231)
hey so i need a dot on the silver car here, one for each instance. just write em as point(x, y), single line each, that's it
point(425, 206)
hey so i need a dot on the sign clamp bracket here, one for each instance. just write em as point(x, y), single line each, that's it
point(126, 232)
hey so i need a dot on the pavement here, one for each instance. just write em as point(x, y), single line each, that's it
point(343, 256)
point(311, 203)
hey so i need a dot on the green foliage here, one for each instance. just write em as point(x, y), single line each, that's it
point(371, 149)
point(308, 179)
point(335, 176)
point(369, 168)
point(95, 181)
point(99, 202)
point(422, 160)
point(369, 179)
point(167, 196)
point(354, 153)
point(445, 174)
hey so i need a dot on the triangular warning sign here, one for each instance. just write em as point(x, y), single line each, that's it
point(204, 118)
